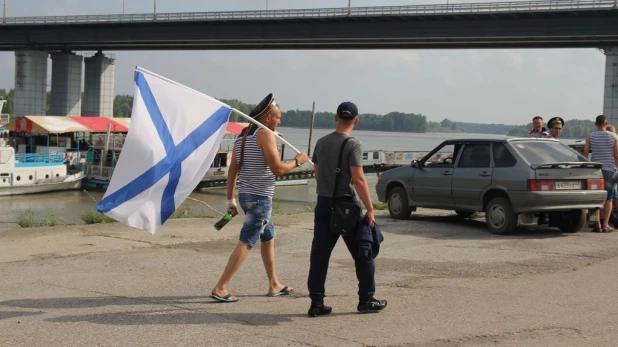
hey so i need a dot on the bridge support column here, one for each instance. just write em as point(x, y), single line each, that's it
point(99, 86)
point(610, 99)
point(30, 83)
point(66, 84)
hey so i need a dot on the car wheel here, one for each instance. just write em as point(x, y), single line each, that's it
point(398, 203)
point(500, 217)
point(570, 221)
point(464, 214)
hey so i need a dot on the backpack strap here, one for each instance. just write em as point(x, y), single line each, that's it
point(338, 169)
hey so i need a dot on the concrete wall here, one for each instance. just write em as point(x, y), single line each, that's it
point(66, 84)
point(610, 97)
point(99, 86)
point(30, 83)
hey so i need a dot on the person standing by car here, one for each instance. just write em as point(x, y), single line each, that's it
point(604, 147)
point(555, 127)
point(352, 177)
point(538, 130)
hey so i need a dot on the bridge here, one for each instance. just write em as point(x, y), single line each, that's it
point(522, 24)
point(528, 24)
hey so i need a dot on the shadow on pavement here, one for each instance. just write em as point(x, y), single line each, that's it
point(14, 314)
point(183, 317)
point(442, 227)
point(172, 313)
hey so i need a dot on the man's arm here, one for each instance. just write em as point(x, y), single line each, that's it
point(232, 176)
point(315, 170)
point(266, 141)
point(362, 189)
point(587, 146)
point(314, 159)
point(359, 181)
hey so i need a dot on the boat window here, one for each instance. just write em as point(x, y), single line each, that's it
point(18, 178)
point(376, 155)
point(365, 155)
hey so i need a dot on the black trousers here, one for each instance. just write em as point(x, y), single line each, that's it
point(321, 248)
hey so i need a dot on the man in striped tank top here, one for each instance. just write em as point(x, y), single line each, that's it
point(256, 164)
point(604, 147)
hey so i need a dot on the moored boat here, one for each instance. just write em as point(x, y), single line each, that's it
point(34, 173)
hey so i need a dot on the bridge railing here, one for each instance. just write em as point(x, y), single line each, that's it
point(410, 10)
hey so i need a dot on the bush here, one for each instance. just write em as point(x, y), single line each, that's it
point(90, 216)
point(29, 219)
point(379, 206)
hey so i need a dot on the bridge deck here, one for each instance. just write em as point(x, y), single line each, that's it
point(524, 24)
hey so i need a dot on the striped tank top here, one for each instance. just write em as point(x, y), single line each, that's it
point(255, 176)
point(602, 146)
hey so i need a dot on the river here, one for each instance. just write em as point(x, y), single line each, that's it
point(68, 207)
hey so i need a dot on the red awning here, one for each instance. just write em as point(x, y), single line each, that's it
point(234, 128)
point(99, 124)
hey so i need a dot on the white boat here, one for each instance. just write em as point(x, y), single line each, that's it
point(34, 173)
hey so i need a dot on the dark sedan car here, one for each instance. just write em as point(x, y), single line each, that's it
point(514, 181)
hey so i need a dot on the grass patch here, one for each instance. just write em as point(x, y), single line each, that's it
point(90, 216)
point(184, 212)
point(379, 206)
point(276, 205)
point(30, 219)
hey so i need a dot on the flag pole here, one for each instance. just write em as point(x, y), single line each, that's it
point(221, 103)
point(264, 127)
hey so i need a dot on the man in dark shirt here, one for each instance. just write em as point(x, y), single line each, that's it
point(325, 158)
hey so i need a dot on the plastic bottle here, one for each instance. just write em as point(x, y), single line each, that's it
point(223, 221)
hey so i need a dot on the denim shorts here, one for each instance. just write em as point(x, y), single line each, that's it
point(610, 184)
point(257, 223)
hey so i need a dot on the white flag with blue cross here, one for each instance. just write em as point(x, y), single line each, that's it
point(174, 136)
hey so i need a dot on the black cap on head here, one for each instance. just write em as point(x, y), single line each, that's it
point(555, 120)
point(265, 106)
point(347, 110)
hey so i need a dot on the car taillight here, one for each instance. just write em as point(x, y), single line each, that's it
point(596, 184)
point(540, 185)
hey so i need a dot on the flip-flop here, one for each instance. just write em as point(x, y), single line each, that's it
point(224, 298)
point(283, 291)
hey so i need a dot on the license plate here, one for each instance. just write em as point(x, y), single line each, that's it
point(568, 185)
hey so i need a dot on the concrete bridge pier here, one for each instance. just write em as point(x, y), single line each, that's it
point(610, 98)
point(99, 85)
point(66, 84)
point(30, 83)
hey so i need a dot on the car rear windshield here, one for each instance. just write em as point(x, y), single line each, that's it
point(545, 152)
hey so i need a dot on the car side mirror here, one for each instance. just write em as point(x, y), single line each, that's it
point(416, 164)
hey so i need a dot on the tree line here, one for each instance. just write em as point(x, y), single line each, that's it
point(393, 121)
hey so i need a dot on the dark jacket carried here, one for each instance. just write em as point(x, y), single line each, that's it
point(368, 240)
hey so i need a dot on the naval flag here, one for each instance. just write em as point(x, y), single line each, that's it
point(174, 136)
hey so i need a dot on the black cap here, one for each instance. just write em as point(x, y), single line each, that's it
point(265, 106)
point(347, 110)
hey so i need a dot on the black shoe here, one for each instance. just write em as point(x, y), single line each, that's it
point(372, 306)
point(319, 310)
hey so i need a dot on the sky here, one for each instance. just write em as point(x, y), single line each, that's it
point(508, 86)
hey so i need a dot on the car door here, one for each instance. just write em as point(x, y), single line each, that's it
point(471, 175)
point(432, 179)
